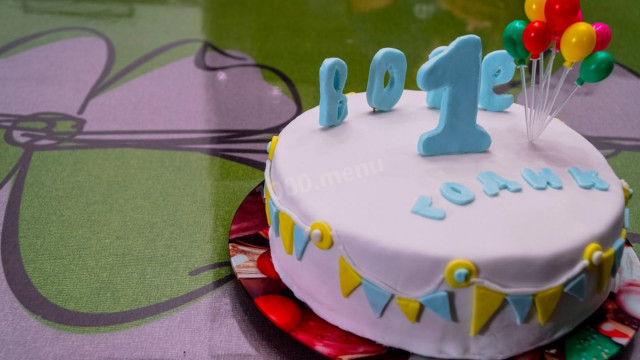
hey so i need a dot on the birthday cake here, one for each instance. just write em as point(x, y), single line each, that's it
point(480, 244)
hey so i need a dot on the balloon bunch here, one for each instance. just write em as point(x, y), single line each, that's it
point(555, 23)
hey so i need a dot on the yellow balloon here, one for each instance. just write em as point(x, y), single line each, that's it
point(577, 42)
point(535, 9)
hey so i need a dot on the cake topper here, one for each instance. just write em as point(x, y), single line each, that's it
point(557, 23)
point(333, 103)
point(434, 97)
point(457, 70)
point(394, 62)
point(497, 69)
point(458, 80)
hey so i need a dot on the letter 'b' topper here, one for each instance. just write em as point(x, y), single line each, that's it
point(333, 103)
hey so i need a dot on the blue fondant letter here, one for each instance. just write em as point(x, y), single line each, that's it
point(497, 69)
point(434, 97)
point(457, 71)
point(588, 179)
point(540, 181)
point(493, 183)
point(423, 208)
point(333, 103)
point(457, 193)
point(386, 60)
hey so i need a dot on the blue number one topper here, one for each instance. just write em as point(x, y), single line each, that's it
point(457, 70)
point(434, 97)
point(497, 69)
point(333, 103)
point(386, 60)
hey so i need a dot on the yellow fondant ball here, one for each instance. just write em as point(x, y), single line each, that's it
point(590, 251)
point(459, 264)
point(326, 239)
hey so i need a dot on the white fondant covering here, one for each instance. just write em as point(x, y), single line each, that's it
point(363, 178)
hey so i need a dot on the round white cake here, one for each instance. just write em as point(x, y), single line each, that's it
point(535, 263)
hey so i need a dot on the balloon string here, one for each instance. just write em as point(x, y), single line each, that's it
point(526, 98)
point(541, 87)
point(534, 64)
point(556, 92)
point(547, 108)
point(555, 113)
point(547, 78)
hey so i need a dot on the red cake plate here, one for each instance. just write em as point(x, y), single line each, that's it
point(601, 336)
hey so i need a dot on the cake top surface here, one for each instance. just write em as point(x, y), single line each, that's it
point(364, 177)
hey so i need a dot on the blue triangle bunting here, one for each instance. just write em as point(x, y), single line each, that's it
point(275, 217)
point(378, 298)
point(618, 248)
point(626, 218)
point(577, 286)
point(300, 241)
point(520, 304)
point(438, 302)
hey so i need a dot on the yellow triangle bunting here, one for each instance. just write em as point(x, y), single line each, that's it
point(485, 303)
point(410, 308)
point(546, 302)
point(604, 270)
point(266, 204)
point(349, 278)
point(286, 232)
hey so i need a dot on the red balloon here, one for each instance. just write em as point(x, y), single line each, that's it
point(536, 38)
point(579, 18)
point(560, 14)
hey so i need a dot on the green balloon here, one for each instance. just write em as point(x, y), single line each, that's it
point(512, 41)
point(595, 67)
